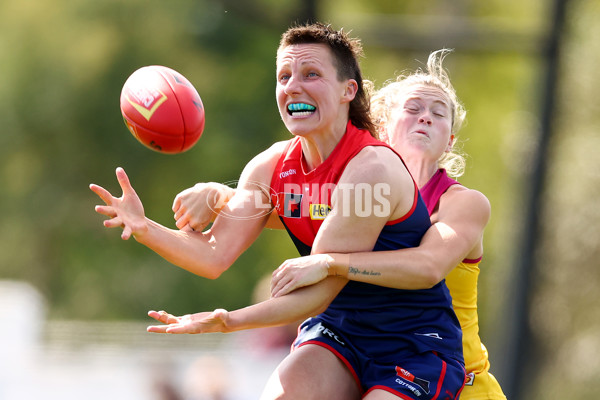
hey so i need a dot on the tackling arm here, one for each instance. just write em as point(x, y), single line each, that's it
point(457, 234)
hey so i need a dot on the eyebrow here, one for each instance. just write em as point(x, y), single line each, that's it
point(315, 63)
point(420, 98)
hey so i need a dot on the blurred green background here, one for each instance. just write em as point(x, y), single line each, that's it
point(62, 66)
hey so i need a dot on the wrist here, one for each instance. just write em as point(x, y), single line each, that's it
point(141, 231)
point(337, 264)
point(220, 195)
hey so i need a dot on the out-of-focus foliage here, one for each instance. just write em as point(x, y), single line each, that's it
point(62, 65)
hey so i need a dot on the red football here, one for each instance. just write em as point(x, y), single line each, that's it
point(162, 109)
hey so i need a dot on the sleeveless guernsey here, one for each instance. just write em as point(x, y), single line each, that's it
point(378, 321)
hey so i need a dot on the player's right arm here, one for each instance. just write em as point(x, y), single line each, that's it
point(208, 253)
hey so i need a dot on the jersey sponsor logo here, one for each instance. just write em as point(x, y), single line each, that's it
point(285, 174)
point(422, 383)
point(319, 211)
point(296, 201)
point(410, 387)
point(470, 379)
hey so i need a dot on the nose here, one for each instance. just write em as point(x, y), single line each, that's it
point(425, 118)
point(292, 86)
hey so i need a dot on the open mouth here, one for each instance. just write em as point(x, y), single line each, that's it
point(300, 109)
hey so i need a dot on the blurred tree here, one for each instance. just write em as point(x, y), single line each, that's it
point(565, 310)
point(63, 130)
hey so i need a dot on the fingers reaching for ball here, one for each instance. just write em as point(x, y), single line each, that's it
point(126, 211)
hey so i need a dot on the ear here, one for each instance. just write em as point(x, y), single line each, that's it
point(350, 91)
point(450, 144)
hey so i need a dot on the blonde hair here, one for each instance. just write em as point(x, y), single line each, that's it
point(385, 99)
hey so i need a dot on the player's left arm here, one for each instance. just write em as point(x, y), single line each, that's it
point(456, 234)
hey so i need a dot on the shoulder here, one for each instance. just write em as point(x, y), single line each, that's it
point(377, 160)
point(384, 172)
point(468, 200)
point(379, 165)
point(462, 193)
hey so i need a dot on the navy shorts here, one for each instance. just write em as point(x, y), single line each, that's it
point(420, 376)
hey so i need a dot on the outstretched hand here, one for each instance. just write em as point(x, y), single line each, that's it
point(298, 272)
point(204, 322)
point(126, 211)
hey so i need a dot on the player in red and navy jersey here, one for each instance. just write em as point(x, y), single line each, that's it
point(420, 115)
point(369, 326)
point(360, 344)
